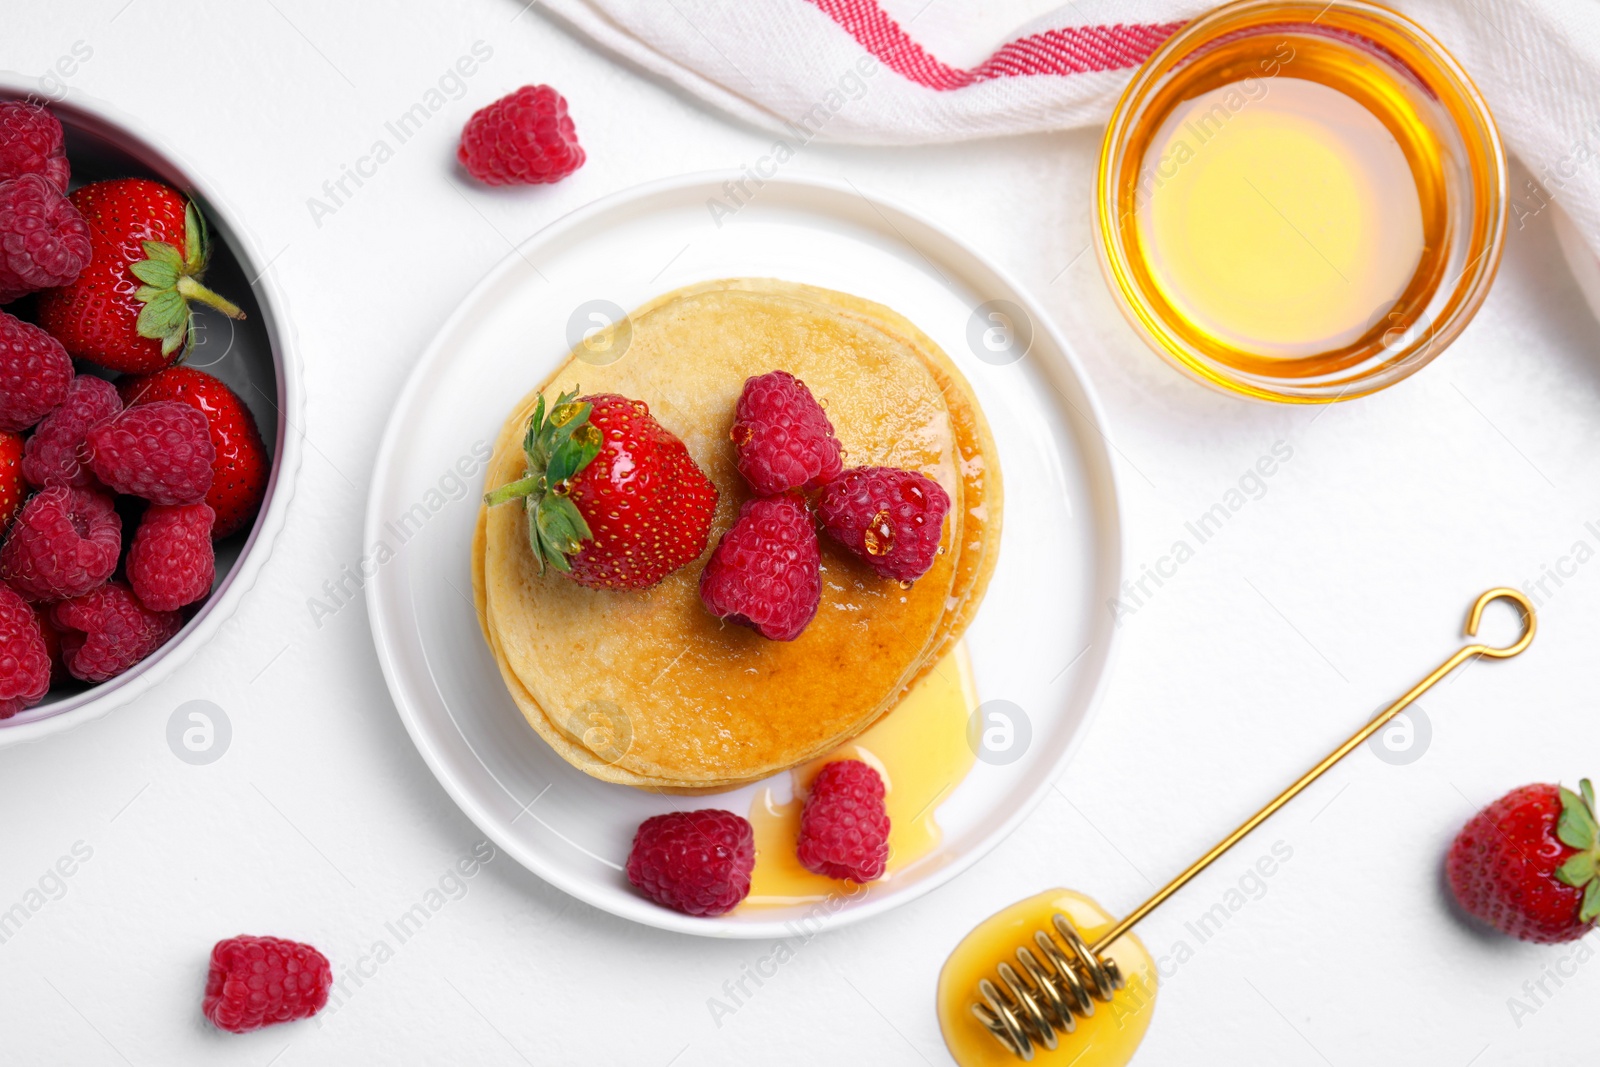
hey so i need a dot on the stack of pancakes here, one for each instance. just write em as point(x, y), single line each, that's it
point(647, 689)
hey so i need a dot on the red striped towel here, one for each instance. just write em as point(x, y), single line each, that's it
point(862, 71)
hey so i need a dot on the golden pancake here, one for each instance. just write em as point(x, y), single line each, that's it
point(982, 487)
point(707, 702)
point(710, 706)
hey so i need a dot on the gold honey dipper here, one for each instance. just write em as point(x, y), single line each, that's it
point(1060, 984)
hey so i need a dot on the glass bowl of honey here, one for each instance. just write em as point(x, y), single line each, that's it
point(1301, 202)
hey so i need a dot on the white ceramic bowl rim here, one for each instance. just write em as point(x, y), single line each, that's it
point(224, 600)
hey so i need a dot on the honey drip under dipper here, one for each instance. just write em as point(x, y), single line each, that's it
point(1062, 975)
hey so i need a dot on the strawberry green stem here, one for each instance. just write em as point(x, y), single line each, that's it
point(190, 289)
point(512, 490)
point(557, 449)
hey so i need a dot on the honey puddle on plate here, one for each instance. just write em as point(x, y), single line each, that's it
point(1108, 1038)
point(921, 750)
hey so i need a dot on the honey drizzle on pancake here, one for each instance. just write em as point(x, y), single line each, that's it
point(921, 750)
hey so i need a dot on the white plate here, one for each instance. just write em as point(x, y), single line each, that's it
point(1042, 640)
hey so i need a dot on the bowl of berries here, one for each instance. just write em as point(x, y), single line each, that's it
point(147, 384)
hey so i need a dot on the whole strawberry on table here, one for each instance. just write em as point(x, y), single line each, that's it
point(111, 493)
point(1529, 864)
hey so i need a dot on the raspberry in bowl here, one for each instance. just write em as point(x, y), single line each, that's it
point(145, 463)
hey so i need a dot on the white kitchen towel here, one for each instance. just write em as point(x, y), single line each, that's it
point(856, 71)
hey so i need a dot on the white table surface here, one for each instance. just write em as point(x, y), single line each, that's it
point(1318, 602)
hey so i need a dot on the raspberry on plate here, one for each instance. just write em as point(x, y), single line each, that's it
point(35, 372)
point(1529, 864)
point(765, 573)
point(106, 630)
point(696, 862)
point(525, 138)
point(44, 242)
point(24, 658)
point(892, 519)
point(261, 981)
point(161, 451)
point(241, 469)
point(783, 436)
point(63, 544)
point(54, 454)
point(844, 826)
point(32, 142)
point(171, 562)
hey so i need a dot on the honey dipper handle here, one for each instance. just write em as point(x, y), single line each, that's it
point(1529, 626)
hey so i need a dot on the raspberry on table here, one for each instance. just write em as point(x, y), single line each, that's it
point(63, 543)
point(35, 372)
point(44, 242)
point(844, 826)
point(106, 630)
point(54, 455)
point(892, 519)
point(262, 981)
point(696, 862)
point(525, 138)
point(171, 562)
point(765, 572)
point(24, 657)
point(32, 142)
point(160, 451)
point(783, 437)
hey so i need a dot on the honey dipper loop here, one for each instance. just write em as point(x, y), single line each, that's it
point(1033, 1006)
point(1530, 623)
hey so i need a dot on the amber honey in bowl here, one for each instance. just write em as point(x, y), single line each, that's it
point(1301, 201)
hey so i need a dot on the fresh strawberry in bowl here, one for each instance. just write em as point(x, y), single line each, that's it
point(614, 499)
point(241, 468)
point(131, 308)
point(1529, 864)
point(13, 487)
